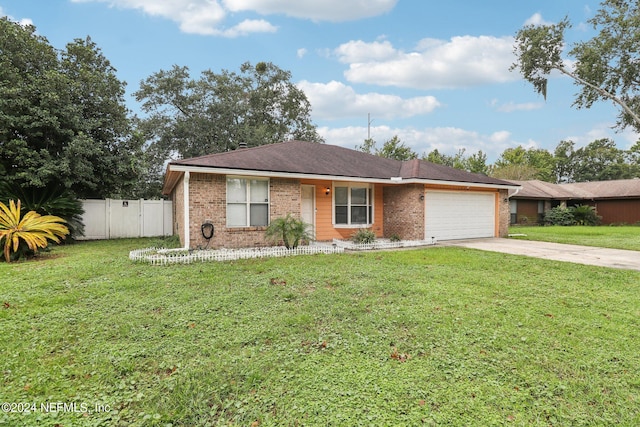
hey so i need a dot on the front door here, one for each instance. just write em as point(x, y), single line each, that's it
point(308, 207)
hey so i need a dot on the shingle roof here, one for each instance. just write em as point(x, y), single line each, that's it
point(622, 188)
point(605, 189)
point(330, 160)
point(536, 189)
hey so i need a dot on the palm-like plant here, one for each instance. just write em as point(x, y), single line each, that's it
point(34, 229)
point(52, 199)
point(289, 230)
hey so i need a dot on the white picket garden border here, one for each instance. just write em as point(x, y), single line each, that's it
point(161, 256)
point(381, 244)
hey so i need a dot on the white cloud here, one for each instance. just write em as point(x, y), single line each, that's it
point(500, 137)
point(463, 61)
point(335, 100)
point(301, 52)
point(359, 51)
point(624, 139)
point(24, 21)
point(208, 17)
point(325, 10)
point(193, 16)
point(510, 107)
point(247, 27)
point(536, 19)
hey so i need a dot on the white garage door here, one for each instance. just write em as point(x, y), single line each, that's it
point(459, 215)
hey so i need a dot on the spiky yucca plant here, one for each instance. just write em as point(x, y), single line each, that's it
point(34, 229)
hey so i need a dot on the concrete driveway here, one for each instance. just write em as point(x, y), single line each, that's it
point(614, 258)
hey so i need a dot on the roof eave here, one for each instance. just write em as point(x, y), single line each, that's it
point(171, 178)
point(294, 175)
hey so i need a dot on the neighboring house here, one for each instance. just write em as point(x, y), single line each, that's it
point(617, 201)
point(336, 190)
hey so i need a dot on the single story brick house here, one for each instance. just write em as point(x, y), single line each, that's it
point(335, 189)
point(616, 201)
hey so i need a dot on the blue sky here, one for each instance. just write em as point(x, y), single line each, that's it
point(433, 73)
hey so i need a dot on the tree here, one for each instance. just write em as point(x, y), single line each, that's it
point(522, 172)
point(219, 111)
point(600, 160)
point(524, 164)
point(62, 117)
point(607, 67)
point(564, 167)
point(633, 158)
point(457, 161)
point(393, 148)
point(396, 149)
point(368, 146)
point(477, 163)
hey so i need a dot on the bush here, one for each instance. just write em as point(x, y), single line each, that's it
point(586, 215)
point(288, 230)
point(575, 215)
point(559, 216)
point(363, 235)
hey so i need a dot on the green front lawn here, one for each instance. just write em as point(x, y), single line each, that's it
point(623, 237)
point(434, 336)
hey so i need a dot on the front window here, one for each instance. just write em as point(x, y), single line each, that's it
point(353, 205)
point(247, 202)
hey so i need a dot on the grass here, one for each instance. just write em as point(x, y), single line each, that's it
point(622, 237)
point(436, 336)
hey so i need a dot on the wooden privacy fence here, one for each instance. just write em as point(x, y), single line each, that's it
point(112, 219)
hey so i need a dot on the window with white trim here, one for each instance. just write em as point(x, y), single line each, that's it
point(353, 205)
point(247, 202)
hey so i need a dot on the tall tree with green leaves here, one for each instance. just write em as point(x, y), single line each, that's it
point(524, 164)
point(601, 160)
point(217, 112)
point(563, 155)
point(63, 120)
point(477, 163)
point(633, 156)
point(606, 67)
point(458, 160)
point(393, 148)
point(368, 146)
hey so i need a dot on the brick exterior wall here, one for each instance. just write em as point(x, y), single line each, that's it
point(404, 211)
point(504, 211)
point(208, 200)
point(286, 197)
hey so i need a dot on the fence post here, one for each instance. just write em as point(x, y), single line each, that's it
point(107, 218)
point(140, 217)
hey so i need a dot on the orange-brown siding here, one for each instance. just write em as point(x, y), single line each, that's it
point(404, 216)
point(325, 229)
point(527, 212)
point(624, 211)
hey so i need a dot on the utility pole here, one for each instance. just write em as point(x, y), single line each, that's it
point(369, 121)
